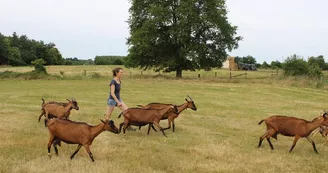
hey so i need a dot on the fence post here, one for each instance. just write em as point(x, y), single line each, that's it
point(198, 76)
point(215, 74)
point(141, 73)
point(230, 74)
point(246, 75)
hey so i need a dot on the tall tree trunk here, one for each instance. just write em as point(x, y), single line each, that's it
point(179, 72)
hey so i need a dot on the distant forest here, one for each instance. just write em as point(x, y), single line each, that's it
point(18, 50)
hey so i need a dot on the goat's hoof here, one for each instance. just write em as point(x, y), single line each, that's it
point(49, 155)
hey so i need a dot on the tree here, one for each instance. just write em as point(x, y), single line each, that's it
point(38, 66)
point(265, 65)
point(275, 64)
point(177, 35)
point(14, 57)
point(20, 50)
point(319, 60)
point(295, 66)
point(109, 60)
point(249, 60)
point(3, 50)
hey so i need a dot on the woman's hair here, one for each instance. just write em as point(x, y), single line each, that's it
point(116, 70)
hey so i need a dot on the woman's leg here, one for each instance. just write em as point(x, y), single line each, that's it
point(109, 112)
point(123, 107)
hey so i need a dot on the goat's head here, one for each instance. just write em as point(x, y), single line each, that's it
point(74, 103)
point(191, 103)
point(110, 126)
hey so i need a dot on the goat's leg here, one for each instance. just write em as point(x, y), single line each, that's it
point(261, 139)
point(152, 126)
point(119, 131)
point(313, 144)
point(51, 139)
point(149, 125)
point(294, 143)
point(54, 144)
point(41, 116)
point(173, 126)
point(139, 127)
point(315, 132)
point(124, 128)
point(77, 150)
point(89, 152)
point(169, 120)
point(271, 146)
point(160, 128)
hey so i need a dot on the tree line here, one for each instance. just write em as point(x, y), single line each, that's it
point(18, 50)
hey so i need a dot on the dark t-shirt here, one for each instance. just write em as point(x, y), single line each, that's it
point(117, 89)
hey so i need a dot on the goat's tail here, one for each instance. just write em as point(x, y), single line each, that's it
point(261, 122)
point(140, 106)
point(42, 103)
point(119, 116)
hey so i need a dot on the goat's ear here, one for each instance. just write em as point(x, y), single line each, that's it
point(186, 99)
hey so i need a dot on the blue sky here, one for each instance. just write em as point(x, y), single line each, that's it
point(272, 29)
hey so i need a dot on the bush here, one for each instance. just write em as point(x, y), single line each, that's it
point(315, 71)
point(295, 66)
point(38, 66)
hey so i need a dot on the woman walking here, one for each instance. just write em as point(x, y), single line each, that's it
point(114, 99)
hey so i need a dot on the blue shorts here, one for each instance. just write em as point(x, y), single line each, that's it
point(112, 102)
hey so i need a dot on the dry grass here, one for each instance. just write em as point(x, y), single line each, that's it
point(221, 136)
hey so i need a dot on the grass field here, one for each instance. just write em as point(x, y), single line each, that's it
point(221, 136)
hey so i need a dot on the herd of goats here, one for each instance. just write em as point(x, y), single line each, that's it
point(71, 132)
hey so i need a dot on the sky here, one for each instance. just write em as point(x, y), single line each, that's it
point(271, 29)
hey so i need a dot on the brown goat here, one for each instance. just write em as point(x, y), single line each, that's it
point(323, 129)
point(79, 133)
point(57, 109)
point(171, 115)
point(291, 126)
point(141, 117)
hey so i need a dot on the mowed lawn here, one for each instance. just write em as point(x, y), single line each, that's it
point(221, 136)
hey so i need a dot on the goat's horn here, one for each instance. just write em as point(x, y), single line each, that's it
point(189, 98)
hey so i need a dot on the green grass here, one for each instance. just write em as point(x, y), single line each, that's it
point(221, 136)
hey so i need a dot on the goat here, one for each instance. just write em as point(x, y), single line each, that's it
point(323, 129)
point(171, 115)
point(57, 109)
point(141, 117)
point(291, 126)
point(79, 133)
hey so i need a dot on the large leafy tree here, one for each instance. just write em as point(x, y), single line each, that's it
point(20, 50)
point(319, 60)
point(176, 35)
